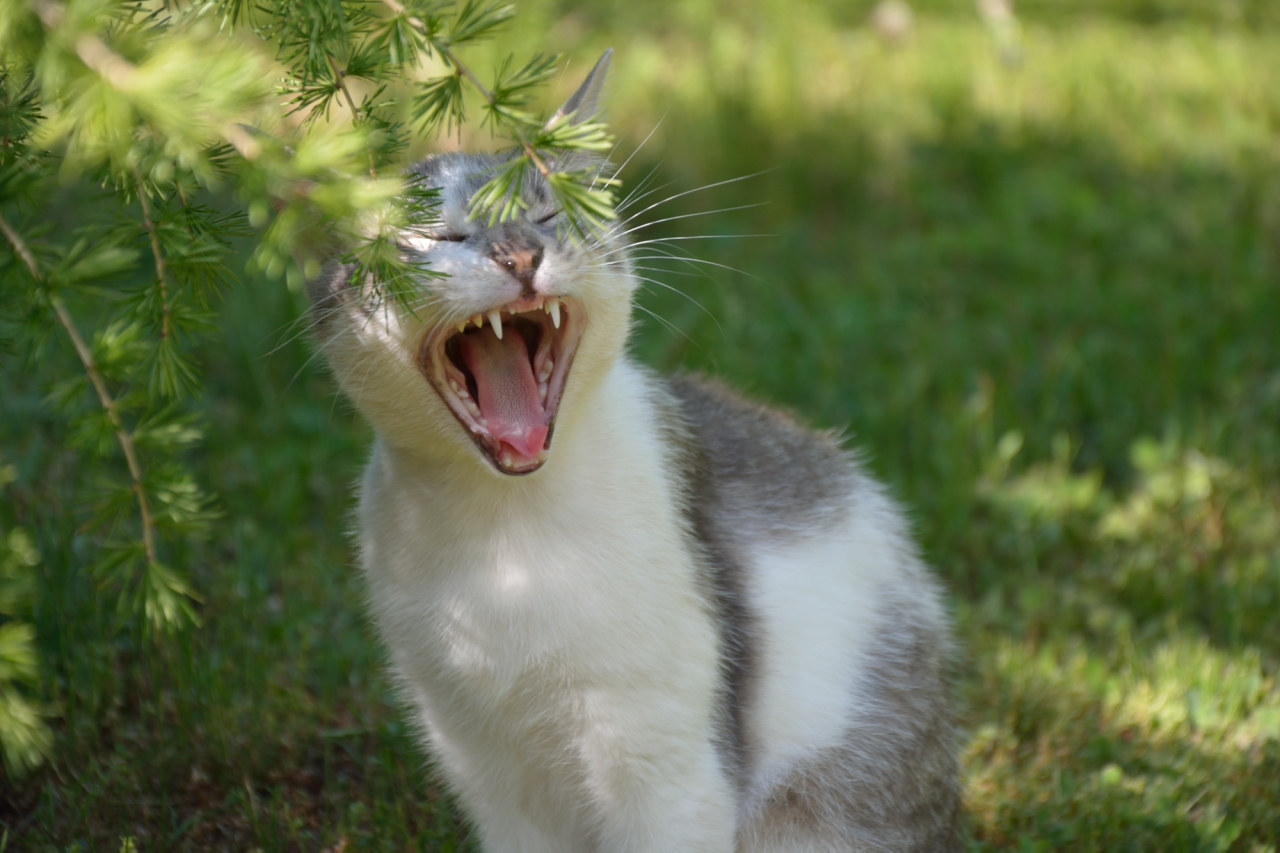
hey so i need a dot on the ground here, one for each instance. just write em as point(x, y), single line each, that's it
point(1030, 267)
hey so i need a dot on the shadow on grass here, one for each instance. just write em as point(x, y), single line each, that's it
point(1075, 745)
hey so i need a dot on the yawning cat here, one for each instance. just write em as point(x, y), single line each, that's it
point(629, 613)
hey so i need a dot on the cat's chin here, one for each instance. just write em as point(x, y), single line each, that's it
point(502, 373)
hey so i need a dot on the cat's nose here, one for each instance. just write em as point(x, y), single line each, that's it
point(521, 261)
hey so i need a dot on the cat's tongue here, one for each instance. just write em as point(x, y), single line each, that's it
point(508, 394)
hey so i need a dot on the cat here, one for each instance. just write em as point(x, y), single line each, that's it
point(629, 613)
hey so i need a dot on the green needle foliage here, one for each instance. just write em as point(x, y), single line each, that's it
point(138, 140)
point(24, 738)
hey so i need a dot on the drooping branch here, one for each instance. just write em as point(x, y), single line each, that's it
point(340, 75)
point(120, 73)
point(490, 97)
point(162, 268)
point(123, 437)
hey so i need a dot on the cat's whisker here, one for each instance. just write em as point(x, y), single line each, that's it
point(299, 326)
point(314, 355)
point(635, 197)
point(640, 187)
point(685, 259)
point(643, 142)
point(703, 188)
point(617, 235)
point(677, 290)
point(671, 326)
point(685, 238)
point(666, 271)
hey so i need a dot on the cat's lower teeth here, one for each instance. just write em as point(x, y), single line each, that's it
point(505, 387)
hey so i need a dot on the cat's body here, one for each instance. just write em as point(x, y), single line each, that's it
point(694, 626)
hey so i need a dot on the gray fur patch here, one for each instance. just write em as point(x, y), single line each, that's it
point(750, 471)
point(774, 477)
point(894, 783)
point(722, 579)
point(747, 472)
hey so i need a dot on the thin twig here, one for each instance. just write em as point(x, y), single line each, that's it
point(162, 268)
point(119, 72)
point(452, 58)
point(341, 77)
point(99, 385)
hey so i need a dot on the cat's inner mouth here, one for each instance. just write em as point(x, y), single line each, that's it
point(503, 374)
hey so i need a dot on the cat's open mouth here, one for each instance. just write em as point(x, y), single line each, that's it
point(502, 373)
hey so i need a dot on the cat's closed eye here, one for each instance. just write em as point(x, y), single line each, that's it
point(448, 236)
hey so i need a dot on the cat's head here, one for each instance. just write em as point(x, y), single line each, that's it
point(503, 348)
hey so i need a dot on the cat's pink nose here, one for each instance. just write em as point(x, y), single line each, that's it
point(522, 262)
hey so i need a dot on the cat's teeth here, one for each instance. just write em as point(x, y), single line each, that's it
point(478, 320)
point(462, 327)
point(453, 386)
point(555, 312)
point(542, 392)
point(495, 317)
point(472, 408)
point(544, 372)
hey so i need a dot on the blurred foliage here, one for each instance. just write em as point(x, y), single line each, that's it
point(1037, 287)
point(125, 126)
point(24, 738)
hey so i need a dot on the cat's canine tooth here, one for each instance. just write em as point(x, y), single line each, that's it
point(462, 327)
point(495, 317)
point(555, 312)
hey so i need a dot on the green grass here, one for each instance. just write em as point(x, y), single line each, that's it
point(1044, 298)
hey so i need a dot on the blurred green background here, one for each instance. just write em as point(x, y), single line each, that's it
point(1028, 259)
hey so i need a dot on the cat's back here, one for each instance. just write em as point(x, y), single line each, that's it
point(837, 644)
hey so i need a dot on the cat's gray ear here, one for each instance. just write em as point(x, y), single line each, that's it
point(585, 103)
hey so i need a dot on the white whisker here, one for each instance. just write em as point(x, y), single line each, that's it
point(701, 189)
point(619, 234)
point(635, 152)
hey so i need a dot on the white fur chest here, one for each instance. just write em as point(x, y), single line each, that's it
point(545, 626)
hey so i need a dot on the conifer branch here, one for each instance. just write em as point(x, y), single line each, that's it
point(162, 268)
point(485, 92)
point(108, 402)
point(119, 72)
point(341, 77)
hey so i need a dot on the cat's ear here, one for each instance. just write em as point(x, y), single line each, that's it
point(585, 103)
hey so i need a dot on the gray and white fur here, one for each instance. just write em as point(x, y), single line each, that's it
point(628, 613)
